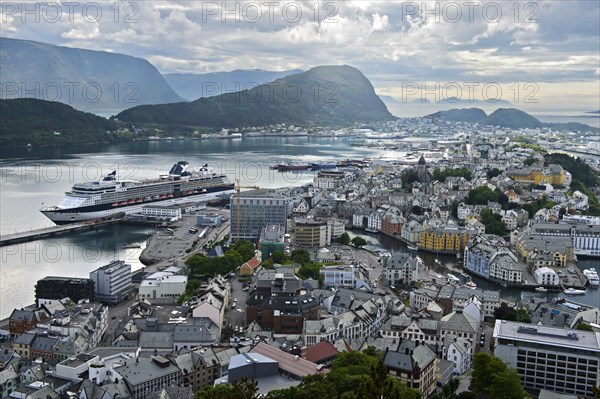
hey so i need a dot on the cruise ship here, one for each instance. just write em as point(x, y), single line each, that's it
point(109, 197)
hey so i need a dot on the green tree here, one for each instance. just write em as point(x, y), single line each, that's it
point(493, 222)
point(301, 256)
point(245, 249)
point(523, 315)
point(408, 177)
point(359, 241)
point(484, 368)
point(345, 239)
point(481, 196)
point(243, 389)
point(279, 257)
point(466, 395)
point(454, 208)
point(584, 327)
point(529, 161)
point(506, 384)
point(493, 173)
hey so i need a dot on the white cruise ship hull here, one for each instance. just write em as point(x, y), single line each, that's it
point(64, 216)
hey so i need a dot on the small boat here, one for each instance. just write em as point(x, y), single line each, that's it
point(592, 277)
point(412, 247)
point(471, 285)
point(131, 246)
point(458, 255)
point(452, 278)
point(504, 285)
point(541, 289)
point(573, 291)
point(438, 261)
point(464, 274)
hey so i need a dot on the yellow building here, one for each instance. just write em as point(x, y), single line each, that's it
point(560, 248)
point(445, 239)
point(552, 174)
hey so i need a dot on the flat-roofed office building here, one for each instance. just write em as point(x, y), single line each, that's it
point(551, 358)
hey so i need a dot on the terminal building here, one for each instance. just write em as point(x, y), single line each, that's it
point(551, 358)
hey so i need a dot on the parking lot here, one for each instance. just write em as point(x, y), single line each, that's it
point(237, 316)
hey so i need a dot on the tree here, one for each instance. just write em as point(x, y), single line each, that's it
point(484, 368)
point(529, 161)
point(493, 173)
point(359, 241)
point(506, 385)
point(523, 315)
point(454, 208)
point(301, 256)
point(408, 177)
point(493, 222)
point(492, 379)
point(584, 327)
point(345, 239)
point(243, 389)
point(481, 196)
point(279, 257)
point(245, 249)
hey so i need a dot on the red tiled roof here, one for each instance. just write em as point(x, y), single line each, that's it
point(320, 351)
point(252, 263)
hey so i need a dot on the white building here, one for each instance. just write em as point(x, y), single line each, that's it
point(399, 267)
point(339, 276)
point(546, 276)
point(335, 228)
point(112, 281)
point(552, 358)
point(171, 212)
point(459, 351)
point(374, 221)
point(163, 285)
point(358, 220)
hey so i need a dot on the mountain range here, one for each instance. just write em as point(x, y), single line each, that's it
point(84, 79)
point(506, 117)
point(325, 95)
point(193, 86)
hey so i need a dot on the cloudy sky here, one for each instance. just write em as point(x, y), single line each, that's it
point(548, 51)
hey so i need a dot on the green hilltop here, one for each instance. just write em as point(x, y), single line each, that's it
point(325, 95)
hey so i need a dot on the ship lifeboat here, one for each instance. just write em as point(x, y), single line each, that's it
point(123, 203)
point(147, 199)
point(170, 195)
point(155, 197)
point(139, 200)
point(115, 204)
point(162, 196)
point(131, 201)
